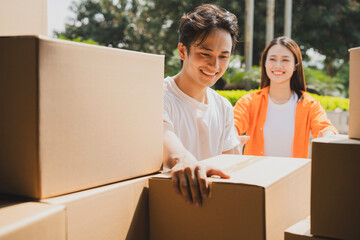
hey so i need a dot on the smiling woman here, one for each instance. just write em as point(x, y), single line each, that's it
point(280, 117)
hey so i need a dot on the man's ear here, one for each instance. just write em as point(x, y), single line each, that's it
point(182, 51)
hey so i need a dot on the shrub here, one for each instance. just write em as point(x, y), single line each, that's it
point(236, 77)
point(318, 82)
point(329, 103)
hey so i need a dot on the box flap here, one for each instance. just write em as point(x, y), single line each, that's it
point(15, 215)
point(337, 139)
point(301, 228)
point(247, 169)
point(354, 49)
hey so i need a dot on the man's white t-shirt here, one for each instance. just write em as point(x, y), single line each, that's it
point(206, 130)
point(279, 128)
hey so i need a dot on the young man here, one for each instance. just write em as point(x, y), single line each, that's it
point(198, 122)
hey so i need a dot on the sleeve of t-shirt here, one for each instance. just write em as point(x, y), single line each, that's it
point(167, 110)
point(230, 138)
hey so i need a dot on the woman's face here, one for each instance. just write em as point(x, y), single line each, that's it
point(280, 64)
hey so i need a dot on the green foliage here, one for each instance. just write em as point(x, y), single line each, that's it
point(78, 39)
point(327, 26)
point(343, 73)
point(236, 77)
point(329, 103)
point(234, 95)
point(318, 82)
point(330, 27)
point(173, 65)
point(151, 25)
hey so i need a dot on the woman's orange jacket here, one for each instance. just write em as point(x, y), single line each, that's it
point(250, 115)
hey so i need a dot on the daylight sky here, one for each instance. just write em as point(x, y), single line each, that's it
point(58, 12)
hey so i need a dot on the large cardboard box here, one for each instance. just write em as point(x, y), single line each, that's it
point(31, 221)
point(22, 17)
point(354, 96)
point(113, 212)
point(76, 116)
point(301, 231)
point(264, 196)
point(335, 184)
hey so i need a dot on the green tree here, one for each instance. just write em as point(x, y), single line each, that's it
point(330, 27)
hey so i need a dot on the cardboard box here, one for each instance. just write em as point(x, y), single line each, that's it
point(31, 221)
point(264, 196)
point(112, 212)
point(335, 184)
point(76, 116)
point(301, 231)
point(354, 97)
point(22, 17)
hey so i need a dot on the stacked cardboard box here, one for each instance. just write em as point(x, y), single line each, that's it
point(335, 212)
point(354, 96)
point(115, 211)
point(263, 197)
point(301, 231)
point(80, 121)
point(21, 17)
point(31, 221)
point(335, 196)
point(76, 115)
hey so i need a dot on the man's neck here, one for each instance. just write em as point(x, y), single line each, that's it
point(190, 88)
point(280, 93)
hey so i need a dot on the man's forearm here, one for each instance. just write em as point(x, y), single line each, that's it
point(174, 151)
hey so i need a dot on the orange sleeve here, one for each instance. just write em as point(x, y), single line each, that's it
point(242, 114)
point(319, 120)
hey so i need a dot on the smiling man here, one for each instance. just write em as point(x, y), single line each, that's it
point(198, 122)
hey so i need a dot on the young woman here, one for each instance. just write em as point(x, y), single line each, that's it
point(280, 117)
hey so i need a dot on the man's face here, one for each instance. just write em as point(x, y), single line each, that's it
point(205, 63)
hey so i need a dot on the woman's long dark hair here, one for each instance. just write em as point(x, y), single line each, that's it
point(297, 82)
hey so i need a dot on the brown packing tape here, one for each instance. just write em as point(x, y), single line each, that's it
point(243, 164)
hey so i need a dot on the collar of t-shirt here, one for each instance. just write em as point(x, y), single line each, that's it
point(195, 103)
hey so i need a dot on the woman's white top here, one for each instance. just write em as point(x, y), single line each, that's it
point(279, 128)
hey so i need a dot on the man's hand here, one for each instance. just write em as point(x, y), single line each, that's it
point(188, 174)
point(326, 134)
point(189, 178)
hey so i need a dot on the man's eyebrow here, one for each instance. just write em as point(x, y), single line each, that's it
point(210, 50)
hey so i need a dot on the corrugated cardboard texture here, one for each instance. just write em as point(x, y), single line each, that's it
point(77, 115)
point(115, 211)
point(263, 197)
point(19, 107)
point(354, 96)
point(31, 221)
point(335, 184)
point(301, 231)
point(22, 17)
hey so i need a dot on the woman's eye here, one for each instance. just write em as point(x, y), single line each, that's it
point(205, 54)
point(224, 57)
